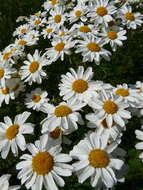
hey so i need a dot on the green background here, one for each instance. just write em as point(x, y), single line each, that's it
point(126, 66)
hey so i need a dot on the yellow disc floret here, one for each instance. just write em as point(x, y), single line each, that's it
point(112, 35)
point(110, 107)
point(12, 131)
point(122, 92)
point(92, 46)
point(36, 98)
point(85, 29)
point(62, 111)
point(60, 46)
point(57, 18)
point(49, 30)
point(22, 42)
point(5, 91)
point(1, 73)
point(37, 22)
point(55, 133)
point(98, 158)
point(42, 163)
point(78, 13)
point(7, 55)
point(101, 11)
point(23, 30)
point(34, 66)
point(54, 2)
point(80, 86)
point(129, 16)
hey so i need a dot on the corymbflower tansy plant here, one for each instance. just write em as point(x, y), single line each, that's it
point(67, 33)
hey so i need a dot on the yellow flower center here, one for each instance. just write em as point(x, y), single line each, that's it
point(110, 107)
point(60, 46)
point(54, 2)
point(78, 13)
point(55, 133)
point(92, 46)
point(37, 22)
point(12, 131)
point(34, 66)
point(2, 73)
point(23, 30)
point(49, 30)
point(42, 163)
point(80, 86)
point(122, 92)
point(57, 18)
point(5, 91)
point(101, 11)
point(61, 34)
point(36, 98)
point(62, 111)
point(7, 55)
point(98, 158)
point(84, 29)
point(129, 16)
point(112, 35)
point(22, 42)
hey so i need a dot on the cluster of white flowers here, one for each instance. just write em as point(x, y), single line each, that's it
point(85, 27)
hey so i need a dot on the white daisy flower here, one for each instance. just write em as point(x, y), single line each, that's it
point(6, 72)
point(32, 70)
point(101, 126)
point(44, 166)
point(5, 95)
point(36, 99)
point(25, 41)
point(83, 30)
point(4, 183)
point(132, 20)
point(62, 33)
point(92, 49)
point(78, 13)
point(58, 17)
point(129, 95)
point(22, 30)
point(65, 116)
point(139, 146)
point(102, 11)
point(111, 108)
point(12, 134)
point(60, 47)
point(34, 35)
point(50, 4)
point(118, 153)
point(11, 53)
point(114, 36)
point(36, 21)
point(96, 160)
point(78, 86)
point(48, 31)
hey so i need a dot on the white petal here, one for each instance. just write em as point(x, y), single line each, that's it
point(116, 163)
point(62, 158)
point(50, 182)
